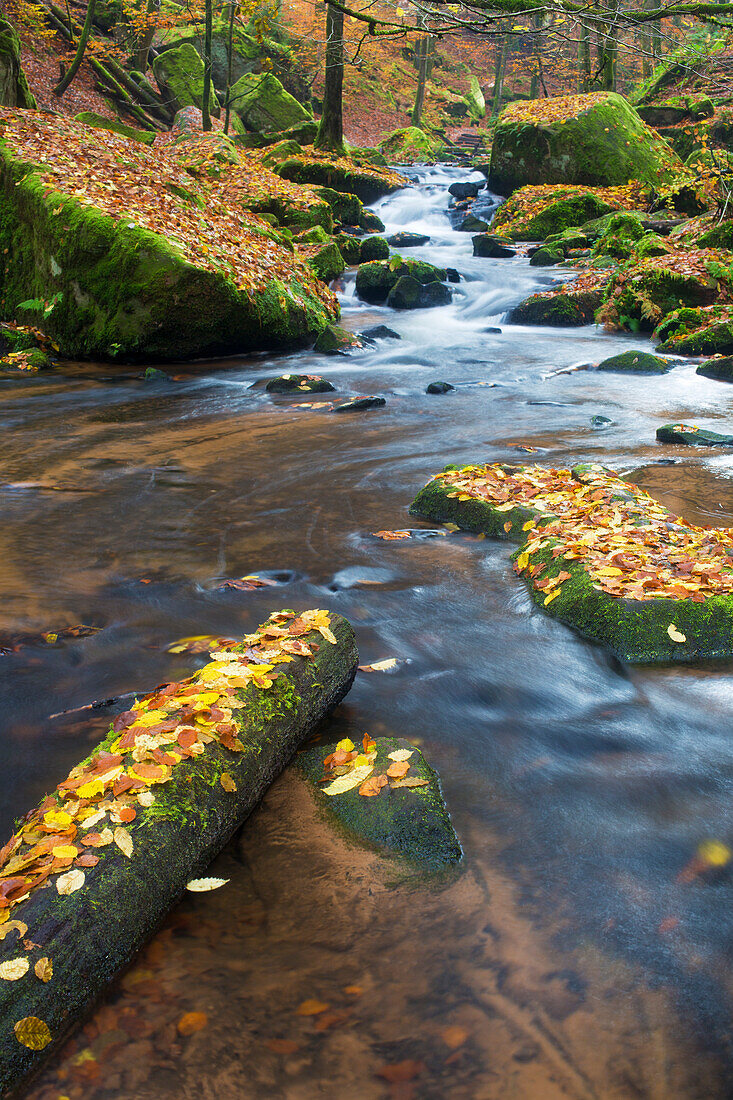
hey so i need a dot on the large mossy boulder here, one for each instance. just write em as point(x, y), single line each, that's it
point(368, 184)
point(563, 309)
point(702, 331)
point(180, 76)
point(375, 280)
point(347, 209)
point(641, 294)
point(262, 104)
point(14, 90)
point(109, 275)
point(720, 369)
point(408, 293)
point(327, 262)
point(534, 215)
point(596, 139)
point(409, 145)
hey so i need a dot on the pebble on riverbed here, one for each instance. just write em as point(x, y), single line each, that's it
point(299, 383)
point(439, 387)
point(358, 403)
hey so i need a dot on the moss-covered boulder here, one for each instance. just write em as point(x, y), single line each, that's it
point(326, 261)
point(584, 538)
point(472, 224)
point(91, 118)
point(120, 272)
point(371, 222)
point(475, 99)
point(180, 76)
point(280, 151)
point(490, 246)
point(347, 209)
point(14, 90)
point(407, 240)
point(409, 293)
point(565, 308)
point(349, 247)
point(373, 248)
point(620, 236)
point(262, 104)
point(360, 404)
point(635, 362)
point(528, 216)
point(597, 139)
point(720, 369)
point(546, 257)
point(375, 280)
point(695, 332)
point(642, 293)
point(336, 340)
point(719, 236)
point(392, 803)
point(692, 436)
point(409, 145)
point(299, 383)
point(368, 184)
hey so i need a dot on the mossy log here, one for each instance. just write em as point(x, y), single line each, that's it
point(91, 934)
point(644, 631)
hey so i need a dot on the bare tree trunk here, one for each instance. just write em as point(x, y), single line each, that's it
point(499, 71)
point(607, 46)
point(584, 67)
point(330, 134)
point(63, 84)
point(424, 50)
point(538, 76)
point(205, 106)
point(146, 39)
point(230, 56)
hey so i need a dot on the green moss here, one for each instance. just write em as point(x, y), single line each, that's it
point(409, 823)
point(720, 369)
point(280, 151)
point(349, 247)
point(328, 263)
point(408, 145)
point(640, 296)
point(635, 362)
point(347, 209)
point(374, 248)
point(568, 308)
point(619, 237)
point(14, 90)
point(557, 215)
point(374, 280)
point(180, 76)
point(604, 144)
point(368, 184)
point(99, 122)
point(262, 104)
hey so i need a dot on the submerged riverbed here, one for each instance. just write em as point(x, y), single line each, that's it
point(572, 956)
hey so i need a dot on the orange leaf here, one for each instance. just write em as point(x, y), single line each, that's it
point(191, 1022)
point(398, 769)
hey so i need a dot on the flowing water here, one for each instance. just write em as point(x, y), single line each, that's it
point(572, 956)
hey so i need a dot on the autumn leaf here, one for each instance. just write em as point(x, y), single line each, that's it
point(43, 969)
point(204, 885)
point(373, 785)
point(410, 781)
point(70, 882)
point(353, 778)
point(13, 969)
point(191, 1022)
point(123, 840)
point(454, 1036)
point(401, 1071)
point(380, 666)
point(32, 1033)
point(400, 755)
point(675, 634)
point(282, 1046)
point(398, 769)
point(312, 1007)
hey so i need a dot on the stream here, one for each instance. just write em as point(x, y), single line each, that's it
point(571, 956)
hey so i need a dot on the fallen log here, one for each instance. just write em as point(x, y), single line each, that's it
point(92, 871)
point(601, 555)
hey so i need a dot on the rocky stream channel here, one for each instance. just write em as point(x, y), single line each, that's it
point(573, 953)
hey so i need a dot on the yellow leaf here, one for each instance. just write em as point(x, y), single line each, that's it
point(13, 926)
point(609, 571)
point(91, 789)
point(13, 969)
point(675, 634)
point(552, 596)
point(58, 818)
point(151, 718)
point(346, 745)
point(204, 885)
point(312, 1007)
point(714, 853)
point(65, 851)
point(70, 882)
point(123, 840)
point(529, 525)
point(523, 560)
point(44, 969)
point(32, 1033)
point(227, 782)
point(354, 778)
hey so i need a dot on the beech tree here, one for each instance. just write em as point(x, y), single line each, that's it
point(330, 134)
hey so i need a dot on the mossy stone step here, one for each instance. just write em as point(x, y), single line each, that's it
point(409, 823)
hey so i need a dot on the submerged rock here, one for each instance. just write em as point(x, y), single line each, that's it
point(335, 340)
point(465, 190)
point(153, 374)
point(600, 421)
point(636, 362)
point(439, 387)
point(358, 403)
point(381, 332)
point(493, 247)
point(692, 435)
point(597, 139)
point(406, 817)
point(472, 224)
point(299, 383)
point(720, 369)
point(407, 240)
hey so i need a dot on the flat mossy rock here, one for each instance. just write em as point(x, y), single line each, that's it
point(720, 236)
point(706, 334)
point(409, 823)
point(369, 184)
point(566, 308)
point(102, 285)
point(693, 436)
point(662, 629)
point(374, 248)
point(409, 145)
point(374, 280)
point(546, 257)
point(407, 240)
point(347, 209)
point(719, 369)
point(99, 122)
point(596, 139)
point(14, 90)
point(180, 76)
point(327, 262)
point(492, 247)
point(262, 104)
point(635, 362)
point(299, 383)
point(408, 293)
point(359, 404)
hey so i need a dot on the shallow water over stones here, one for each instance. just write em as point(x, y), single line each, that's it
point(568, 957)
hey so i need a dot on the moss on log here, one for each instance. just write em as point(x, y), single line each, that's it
point(601, 555)
point(153, 804)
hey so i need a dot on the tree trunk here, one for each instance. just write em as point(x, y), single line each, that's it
point(63, 84)
point(607, 45)
point(145, 41)
point(230, 61)
point(424, 51)
point(208, 31)
point(330, 134)
point(92, 934)
point(499, 71)
point(584, 66)
point(538, 77)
